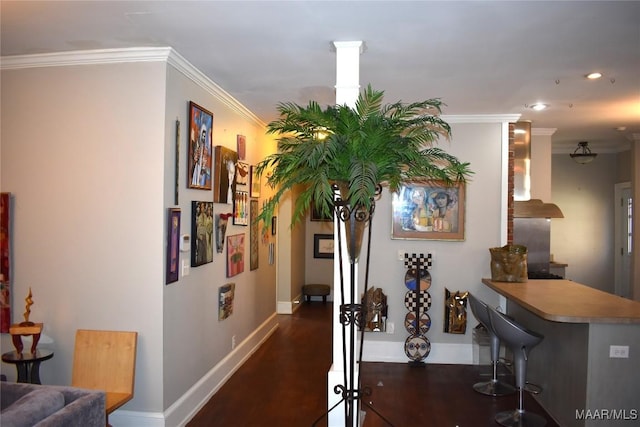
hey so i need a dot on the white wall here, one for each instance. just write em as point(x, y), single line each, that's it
point(82, 154)
point(456, 265)
point(584, 238)
point(88, 154)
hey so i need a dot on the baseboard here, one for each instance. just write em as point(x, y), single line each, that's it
point(289, 307)
point(392, 351)
point(198, 395)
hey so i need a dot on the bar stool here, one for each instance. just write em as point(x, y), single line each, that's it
point(493, 387)
point(520, 341)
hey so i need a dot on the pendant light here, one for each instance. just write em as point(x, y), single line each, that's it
point(583, 154)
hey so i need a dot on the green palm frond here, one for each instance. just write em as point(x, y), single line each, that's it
point(359, 148)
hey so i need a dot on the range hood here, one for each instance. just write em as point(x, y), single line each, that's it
point(535, 208)
point(524, 206)
point(531, 224)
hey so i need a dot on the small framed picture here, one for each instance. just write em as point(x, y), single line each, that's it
point(254, 184)
point(428, 211)
point(201, 233)
point(200, 148)
point(242, 173)
point(323, 245)
point(173, 245)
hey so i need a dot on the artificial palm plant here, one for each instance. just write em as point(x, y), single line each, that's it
point(357, 149)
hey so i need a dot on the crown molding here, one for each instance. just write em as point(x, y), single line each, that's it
point(129, 55)
point(543, 131)
point(481, 118)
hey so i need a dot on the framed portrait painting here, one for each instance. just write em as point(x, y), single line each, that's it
point(200, 147)
point(428, 211)
point(201, 233)
point(224, 180)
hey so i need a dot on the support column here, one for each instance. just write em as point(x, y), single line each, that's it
point(347, 90)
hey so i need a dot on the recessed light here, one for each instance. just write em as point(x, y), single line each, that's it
point(538, 106)
point(594, 75)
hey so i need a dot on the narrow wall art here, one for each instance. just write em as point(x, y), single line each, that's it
point(254, 235)
point(226, 295)
point(173, 246)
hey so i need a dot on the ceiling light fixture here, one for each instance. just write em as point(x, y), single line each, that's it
point(583, 154)
point(594, 75)
point(538, 106)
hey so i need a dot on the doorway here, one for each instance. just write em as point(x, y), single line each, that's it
point(623, 238)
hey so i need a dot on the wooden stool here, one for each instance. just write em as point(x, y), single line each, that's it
point(316, 290)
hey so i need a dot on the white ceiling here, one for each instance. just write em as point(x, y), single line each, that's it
point(480, 57)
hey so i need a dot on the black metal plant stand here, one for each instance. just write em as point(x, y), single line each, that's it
point(352, 312)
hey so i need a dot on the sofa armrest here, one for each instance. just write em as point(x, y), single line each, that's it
point(88, 410)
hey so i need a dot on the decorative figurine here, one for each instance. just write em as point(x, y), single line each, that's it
point(455, 312)
point(26, 328)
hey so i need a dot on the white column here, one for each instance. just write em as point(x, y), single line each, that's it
point(347, 90)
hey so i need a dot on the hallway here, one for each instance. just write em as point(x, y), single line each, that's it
point(284, 384)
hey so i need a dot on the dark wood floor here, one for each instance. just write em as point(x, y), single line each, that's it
point(285, 384)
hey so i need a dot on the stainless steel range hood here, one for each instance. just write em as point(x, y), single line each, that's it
point(531, 223)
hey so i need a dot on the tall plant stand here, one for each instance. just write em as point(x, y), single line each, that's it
point(352, 312)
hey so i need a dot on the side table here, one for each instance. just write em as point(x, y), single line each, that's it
point(27, 364)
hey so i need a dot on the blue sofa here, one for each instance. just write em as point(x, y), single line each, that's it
point(32, 405)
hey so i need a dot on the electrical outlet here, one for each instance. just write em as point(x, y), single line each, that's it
point(401, 253)
point(185, 267)
point(233, 342)
point(619, 351)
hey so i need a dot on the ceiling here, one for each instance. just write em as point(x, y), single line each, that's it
point(479, 57)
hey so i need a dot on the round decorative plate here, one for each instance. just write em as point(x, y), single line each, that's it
point(410, 323)
point(410, 279)
point(411, 301)
point(417, 347)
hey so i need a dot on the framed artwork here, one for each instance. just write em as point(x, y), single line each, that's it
point(200, 129)
point(274, 225)
point(254, 235)
point(221, 230)
point(241, 142)
point(226, 295)
point(317, 215)
point(241, 208)
point(173, 245)
point(242, 173)
point(323, 245)
point(176, 195)
point(5, 262)
point(428, 211)
point(201, 233)
point(235, 255)
point(224, 182)
point(254, 184)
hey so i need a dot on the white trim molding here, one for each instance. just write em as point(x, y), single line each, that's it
point(129, 55)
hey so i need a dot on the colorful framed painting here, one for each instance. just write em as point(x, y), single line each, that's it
point(200, 147)
point(5, 262)
point(254, 184)
point(173, 246)
point(235, 255)
point(201, 233)
point(241, 208)
point(428, 211)
point(323, 246)
point(254, 235)
point(224, 182)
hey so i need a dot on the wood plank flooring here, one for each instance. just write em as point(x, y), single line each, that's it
point(284, 384)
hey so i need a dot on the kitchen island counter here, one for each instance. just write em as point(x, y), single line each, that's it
point(579, 364)
point(568, 301)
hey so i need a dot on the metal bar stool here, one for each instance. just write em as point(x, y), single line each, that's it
point(520, 341)
point(493, 387)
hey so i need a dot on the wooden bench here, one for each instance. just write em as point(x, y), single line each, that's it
point(316, 290)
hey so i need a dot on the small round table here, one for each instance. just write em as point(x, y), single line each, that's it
point(27, 364)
